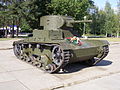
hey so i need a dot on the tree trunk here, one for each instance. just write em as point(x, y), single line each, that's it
point(17, 31)
point(106, 34)
point(18, 24)
point(6, 31)
point(118, 34)
point(3, 27)
point(13, 29)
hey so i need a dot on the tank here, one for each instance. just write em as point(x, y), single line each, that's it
point(55, 45)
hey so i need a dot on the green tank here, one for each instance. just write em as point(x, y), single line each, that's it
point(53, 47)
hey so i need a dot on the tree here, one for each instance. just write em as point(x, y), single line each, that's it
point(109, 23)
point(118, 18)
point(94, 17)
point(75, 8)
point(3, 15)
point(31, 11)
point(27, 13)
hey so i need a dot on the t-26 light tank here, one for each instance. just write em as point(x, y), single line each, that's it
point(52, 48)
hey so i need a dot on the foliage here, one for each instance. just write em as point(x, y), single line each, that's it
point(75, 8)
point(26, 14)
point(109, 18)
point(118, 18)
point(104, 21)
point(25, 27)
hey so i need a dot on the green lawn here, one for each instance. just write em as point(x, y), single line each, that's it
point(4, 39)
point(108, 39)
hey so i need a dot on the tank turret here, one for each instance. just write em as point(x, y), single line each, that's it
point(54, 22)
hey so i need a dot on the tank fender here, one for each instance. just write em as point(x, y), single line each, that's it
point(105, 42)
point(66, 46)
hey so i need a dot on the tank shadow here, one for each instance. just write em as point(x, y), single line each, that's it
point(104, 63)
point(75, 67)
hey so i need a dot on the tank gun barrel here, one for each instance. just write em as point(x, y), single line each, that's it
point(81, 21)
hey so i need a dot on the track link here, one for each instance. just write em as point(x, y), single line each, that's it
point(104, 54)
point(60, 58)
point(98, 58)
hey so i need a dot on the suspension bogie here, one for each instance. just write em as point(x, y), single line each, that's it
point(50, 58)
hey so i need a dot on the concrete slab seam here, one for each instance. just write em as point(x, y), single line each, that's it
point(82, 81)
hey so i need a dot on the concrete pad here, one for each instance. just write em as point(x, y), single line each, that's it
point(82, 76)
point(9, 62)
point(15, 65)
point(105, 83)
point(6, 77)
point(7, 55)
point(7, 44)
point(2, 70)
point(36, 79)
point(109, 66)
point(12, 85)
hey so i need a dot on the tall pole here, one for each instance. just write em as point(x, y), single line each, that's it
point(84, 26)
point(118, 31)
point(13, 28)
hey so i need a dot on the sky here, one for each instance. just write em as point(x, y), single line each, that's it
point(101, 3)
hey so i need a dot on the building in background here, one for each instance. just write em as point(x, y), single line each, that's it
point(6, 31)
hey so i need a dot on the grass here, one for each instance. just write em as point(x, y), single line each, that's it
point(108, 39)
point(5, 39)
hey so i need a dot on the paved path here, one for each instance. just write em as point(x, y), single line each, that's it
point(18, 75)
point(7, 44)
point(111, 82)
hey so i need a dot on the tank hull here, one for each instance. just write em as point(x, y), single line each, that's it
point(52, 48)
point(41, 54)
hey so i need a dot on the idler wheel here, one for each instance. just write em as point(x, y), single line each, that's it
point(97, 59)
point(57, 55)
point(17, 50)
point(57, 60)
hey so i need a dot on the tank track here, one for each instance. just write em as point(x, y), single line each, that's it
point(60, 57)
point(98, 58)
point(104, 54)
